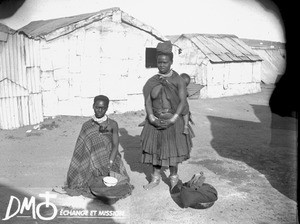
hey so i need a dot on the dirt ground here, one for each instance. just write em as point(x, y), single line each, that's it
point(247, 153)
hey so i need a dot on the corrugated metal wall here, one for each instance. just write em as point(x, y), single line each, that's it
point(20, 93)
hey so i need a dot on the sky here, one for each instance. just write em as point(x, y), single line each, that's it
point(243, 18)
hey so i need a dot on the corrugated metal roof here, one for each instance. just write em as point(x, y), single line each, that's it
point(263, 44)
point(6, 29)
point(222, 47)
point(50, 29)
point(41, 28)
point(4, 32)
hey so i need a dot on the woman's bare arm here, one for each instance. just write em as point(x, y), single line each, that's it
point(115, 142)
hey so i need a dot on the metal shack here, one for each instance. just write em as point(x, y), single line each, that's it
point(274, 58)
point(75, 58)
point(222, 64)
point(20, 91)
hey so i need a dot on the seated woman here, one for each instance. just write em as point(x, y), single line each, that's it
point(96, 152)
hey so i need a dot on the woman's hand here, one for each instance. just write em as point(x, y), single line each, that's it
point(162, 124)
point(155, 121)
point(167, 123)
point(158, 124)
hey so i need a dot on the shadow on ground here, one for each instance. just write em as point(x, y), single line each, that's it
point(132, 154)
point(259, 145)
point(283, 130)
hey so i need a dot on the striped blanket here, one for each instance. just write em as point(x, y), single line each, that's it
point(91, 158)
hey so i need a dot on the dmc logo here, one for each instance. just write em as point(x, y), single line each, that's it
point(27, 205)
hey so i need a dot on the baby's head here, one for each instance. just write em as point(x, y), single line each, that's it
point(186, 78)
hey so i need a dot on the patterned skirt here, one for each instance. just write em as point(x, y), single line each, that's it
point(166, 147)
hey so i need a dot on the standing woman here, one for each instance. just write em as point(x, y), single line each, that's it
point(163, 142)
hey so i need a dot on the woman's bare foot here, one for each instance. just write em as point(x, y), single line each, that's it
point(154, 182)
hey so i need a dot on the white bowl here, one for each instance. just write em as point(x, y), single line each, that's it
point(110, 181)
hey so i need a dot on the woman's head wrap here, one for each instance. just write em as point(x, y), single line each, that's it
point(102, 98)
point(164, 48)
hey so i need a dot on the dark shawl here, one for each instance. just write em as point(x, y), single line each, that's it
point(169, 88)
